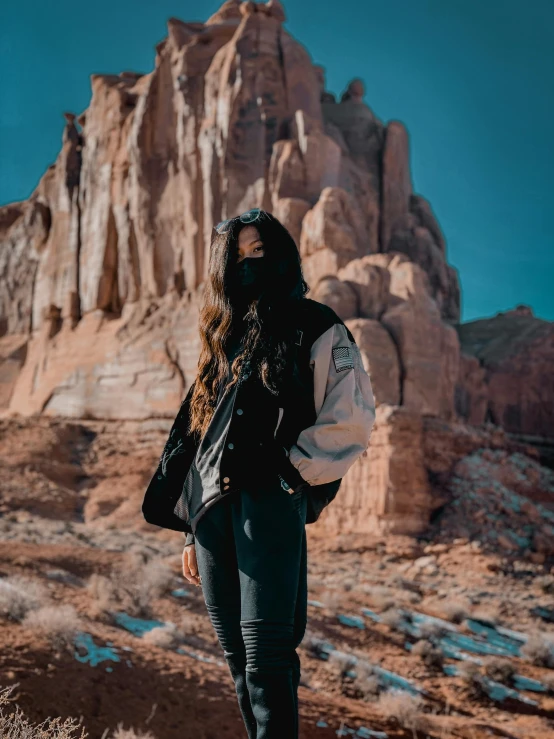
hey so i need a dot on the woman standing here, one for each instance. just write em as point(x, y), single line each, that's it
point(279, 411)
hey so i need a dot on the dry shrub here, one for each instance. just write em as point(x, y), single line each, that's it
point(470, 674)
point(411, 585)
point(15, 725)
point(156, 577)
point(539, 651)
point(167, 636)
point(431, 630)
point(469, 671)
point(405, 708)
point(391, 618)
point(102, 592)
point(191, 631)
point(339, 663)
point(132, 587)
point(455, 612)
point(367, 681)
point(19, 595)
point(121, 733)
point(431, 656)
point(501, 670)
point(59, 624)
point(312, 643)
point(382, 598)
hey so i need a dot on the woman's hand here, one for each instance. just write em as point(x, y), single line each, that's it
point(190, 566)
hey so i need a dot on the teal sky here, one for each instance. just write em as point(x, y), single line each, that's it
point(472, 80)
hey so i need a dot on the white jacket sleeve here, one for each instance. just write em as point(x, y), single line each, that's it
point(345, 407)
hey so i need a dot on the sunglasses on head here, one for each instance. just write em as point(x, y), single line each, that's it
point(249, 217)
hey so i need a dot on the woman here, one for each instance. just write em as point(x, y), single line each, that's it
point(279, 411)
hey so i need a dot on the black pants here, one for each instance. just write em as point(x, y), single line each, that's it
point(252, 558)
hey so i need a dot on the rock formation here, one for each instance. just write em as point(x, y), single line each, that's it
point(102, 268)
point(516, 352)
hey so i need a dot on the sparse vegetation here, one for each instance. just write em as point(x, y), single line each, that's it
point(59, 624)
point(431, 630)
point(391, 618)
point(101, 590)
point(121, 733)
point(501, 670)
point(313, 644)
point(381, 598)
point(132, 587)
point(135, 566)
point(367, 681)
point(431, 656)
point(411, 585)
point(339, 663)
point(19, 595)
point(405, 708)
point(167, 636)
point(472, 678)
point(155, 576)
point(15, 725)
point(539, 651)
point(455, 612)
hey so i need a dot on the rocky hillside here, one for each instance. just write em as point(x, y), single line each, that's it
point(448, 635)
point(102, 267)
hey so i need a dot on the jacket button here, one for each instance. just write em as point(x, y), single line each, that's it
point(239, 412)
point(231, 446)
point(226, 479)
point(159, 477)
point(226, 487)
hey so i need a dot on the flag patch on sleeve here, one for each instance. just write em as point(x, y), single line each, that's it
point(342, 357)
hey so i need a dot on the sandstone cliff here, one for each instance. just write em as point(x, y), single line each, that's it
point(102, 268)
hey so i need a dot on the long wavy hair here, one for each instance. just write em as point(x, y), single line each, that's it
point(269, 333)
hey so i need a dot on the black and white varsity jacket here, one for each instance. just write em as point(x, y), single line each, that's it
point(310, 434)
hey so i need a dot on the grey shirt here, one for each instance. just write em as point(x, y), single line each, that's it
point(202, 488)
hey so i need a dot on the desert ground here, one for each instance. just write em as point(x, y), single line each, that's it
point(433, 636)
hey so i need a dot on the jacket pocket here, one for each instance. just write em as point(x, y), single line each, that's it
point(296, 500)
point(319, 497)
point(279, 462)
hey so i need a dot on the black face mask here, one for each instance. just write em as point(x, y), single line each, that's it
point(250, 277)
